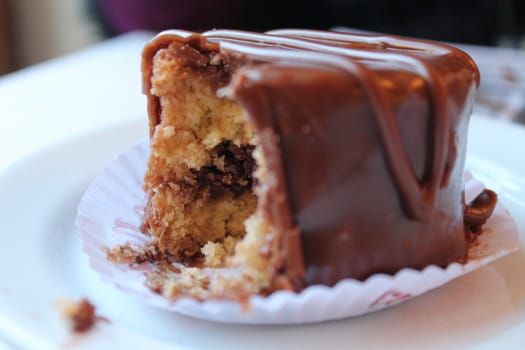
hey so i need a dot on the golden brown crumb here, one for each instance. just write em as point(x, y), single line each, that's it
point(194, 194)
point(126, 254)
point(215, 254)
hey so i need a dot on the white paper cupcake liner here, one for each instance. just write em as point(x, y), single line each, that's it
point(110, 214)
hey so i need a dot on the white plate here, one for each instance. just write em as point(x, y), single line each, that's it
point(42, 261)
point(110, 214)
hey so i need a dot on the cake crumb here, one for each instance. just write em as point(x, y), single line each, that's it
point(215, 254)
point(81, 314)
point(126, 254)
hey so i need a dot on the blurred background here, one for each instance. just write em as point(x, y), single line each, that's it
point(32, 31)
point(35, 30)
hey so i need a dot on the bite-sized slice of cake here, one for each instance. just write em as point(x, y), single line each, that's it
point(300, 157)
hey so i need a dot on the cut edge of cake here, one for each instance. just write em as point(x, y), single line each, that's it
point(204, 176)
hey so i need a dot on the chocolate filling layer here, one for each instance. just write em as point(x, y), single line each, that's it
point(231, 170)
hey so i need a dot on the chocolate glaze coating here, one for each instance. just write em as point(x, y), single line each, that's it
point(365, 137)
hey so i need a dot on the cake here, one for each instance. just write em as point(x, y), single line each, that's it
point(291, 158)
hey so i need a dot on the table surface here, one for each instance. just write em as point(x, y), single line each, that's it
point(58, 99)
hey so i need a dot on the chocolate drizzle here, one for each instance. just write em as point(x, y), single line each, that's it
point(365, 136)
point(326, 49)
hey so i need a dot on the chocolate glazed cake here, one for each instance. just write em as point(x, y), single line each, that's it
point(300, 157)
